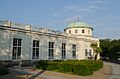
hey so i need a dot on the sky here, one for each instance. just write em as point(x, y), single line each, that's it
point(102, 15)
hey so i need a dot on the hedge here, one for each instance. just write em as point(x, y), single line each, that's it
point(82, 67)
point(3, 71)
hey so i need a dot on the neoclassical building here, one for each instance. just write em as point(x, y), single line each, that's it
point(23, 42)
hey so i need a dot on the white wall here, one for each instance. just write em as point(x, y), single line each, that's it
point(79, 31)
point(27, 42)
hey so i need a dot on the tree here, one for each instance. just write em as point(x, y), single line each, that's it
point(110, 48)
point(96, 50)
point(94, 46)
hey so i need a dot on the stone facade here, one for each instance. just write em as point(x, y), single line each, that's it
point(76, 44)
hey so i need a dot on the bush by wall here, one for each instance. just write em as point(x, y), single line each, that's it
point(82, 67)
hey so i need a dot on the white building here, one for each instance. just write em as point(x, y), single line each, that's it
point(25, 43)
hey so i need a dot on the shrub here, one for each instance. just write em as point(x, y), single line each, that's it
point(65, 67)
point(52, 66)
point(3, 71)
point(82, 67)
point(42, 64)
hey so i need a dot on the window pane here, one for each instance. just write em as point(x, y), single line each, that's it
point(76, 31)
point(74, 54)
point(37, 43)
point(33, 43)
point(37, 50)
point(63, 46)
point(83, 31)
point(19, 49)
point(51, 53)
point(51, 44)
point(88, 31)
point(14, 41)
point(19, 42)
point(69, 31)
point(14, 52)
point(85, 52)
point(74, 47)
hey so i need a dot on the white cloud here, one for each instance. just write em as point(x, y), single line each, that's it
point(97, 2)
point(88, 9)
point(56, 14)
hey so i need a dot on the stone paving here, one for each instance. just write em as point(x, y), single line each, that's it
point(115, 70)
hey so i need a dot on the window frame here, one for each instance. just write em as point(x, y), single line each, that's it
point(76, 31)
point(63, 50)
point(83, 31)
point(17, 49)
point(35, 50)
point(74, 46)
point(51, 50)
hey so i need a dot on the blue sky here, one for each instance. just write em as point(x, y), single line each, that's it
point(102, 15)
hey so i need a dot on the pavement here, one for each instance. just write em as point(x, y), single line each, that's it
point(115, 70)
point(54, 75)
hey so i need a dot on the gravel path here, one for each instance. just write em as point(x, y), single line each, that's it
point(115, 70)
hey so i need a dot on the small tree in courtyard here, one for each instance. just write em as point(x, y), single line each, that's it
point(96, 50)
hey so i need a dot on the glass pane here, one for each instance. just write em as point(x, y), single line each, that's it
point(37, 43)
point(19, 42)
point(37, 50)
point(14, 41)
point(74, 47)
point(33, 50)
point(33, 43)
point(63, 46)
point(14, 52)
point(19, 49)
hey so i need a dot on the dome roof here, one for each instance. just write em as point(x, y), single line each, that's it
point(78, 24)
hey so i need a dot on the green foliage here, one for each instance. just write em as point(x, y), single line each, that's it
point(3, 71)
point(110, 48)
point(42, 64)
point(94, 45)
point(96, 49)
point(52, 66)
point(82, 67)
point(65, 67)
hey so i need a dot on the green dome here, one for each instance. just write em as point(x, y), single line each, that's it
point(79, 24)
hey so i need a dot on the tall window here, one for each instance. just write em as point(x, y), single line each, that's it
point(35, 49)
point(16, 48)
point(63, 50)
point(76, 31)
point(88, 31)
point(86, 53)
point(74, 51)
point(90, 53)
point(51, 50)
point(83, 31)
point(69, 31)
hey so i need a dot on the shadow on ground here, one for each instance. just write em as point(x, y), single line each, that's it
point(36, 75)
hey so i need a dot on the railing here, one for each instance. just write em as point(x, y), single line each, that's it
point(36, 29)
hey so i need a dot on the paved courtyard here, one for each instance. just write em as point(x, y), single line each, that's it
point(32, 73)
point(115, 70)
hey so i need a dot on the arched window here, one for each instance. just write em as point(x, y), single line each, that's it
point(76, 31)
point(88, 31)
point(69, 31)
point(83, 31)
